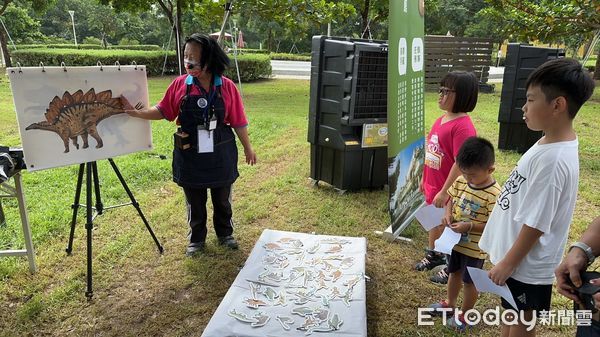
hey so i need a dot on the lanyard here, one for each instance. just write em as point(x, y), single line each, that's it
point(210, 95)
point(209, 103)
point(209, 100)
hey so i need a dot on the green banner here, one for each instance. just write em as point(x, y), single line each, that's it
point(405, 110)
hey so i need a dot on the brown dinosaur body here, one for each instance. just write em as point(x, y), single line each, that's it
point(78, 114)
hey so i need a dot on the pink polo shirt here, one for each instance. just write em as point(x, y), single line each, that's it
point(443, 143)
point(234, 109)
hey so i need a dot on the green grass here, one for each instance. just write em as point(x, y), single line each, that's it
point(137, 292)
point(591, 61)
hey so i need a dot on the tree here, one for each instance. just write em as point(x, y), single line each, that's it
point(295, 17)
point(173, 10)
point(462, 18)
point(93, 19)
point(550, 21)
point(35, 4)
point(22, 27)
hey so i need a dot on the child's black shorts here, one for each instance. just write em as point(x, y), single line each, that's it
point(460, 262)
point(529, 296)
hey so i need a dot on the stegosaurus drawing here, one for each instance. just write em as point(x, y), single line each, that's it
point(78, 114)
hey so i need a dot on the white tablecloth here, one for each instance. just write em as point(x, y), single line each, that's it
point(325, 262)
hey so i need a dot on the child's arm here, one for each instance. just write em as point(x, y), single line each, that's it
point(467, 227)
point(442, 197)
point(447, 219)
point(526, 239)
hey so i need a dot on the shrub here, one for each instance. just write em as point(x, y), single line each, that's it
point(59, 46)
point(128, 41)
point(136, 47)
point(88, 46)
point(92, 40)
point(290, 57)
point(252, 67)
point(73, 57)
point(250, 51)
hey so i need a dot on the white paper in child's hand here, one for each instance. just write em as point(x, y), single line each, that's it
point(447, 241)
point(429, 216)
point(483, 283)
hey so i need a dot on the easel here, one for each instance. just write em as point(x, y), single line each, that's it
point(91, 170)
point(17, 192)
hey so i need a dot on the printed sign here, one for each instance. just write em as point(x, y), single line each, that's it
point(405, 111)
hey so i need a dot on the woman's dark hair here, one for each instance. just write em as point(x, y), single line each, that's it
point(563, 77)
point(466, 88)
point(213, 57)
point(475, 152)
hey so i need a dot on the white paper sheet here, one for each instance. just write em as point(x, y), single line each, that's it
point(430, 216)
point(354, 315)
point(35, 88)
point(484, 284)
point(447, 241)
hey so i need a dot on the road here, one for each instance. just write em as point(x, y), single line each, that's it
point(301, 70)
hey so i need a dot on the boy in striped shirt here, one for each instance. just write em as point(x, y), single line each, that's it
point(472, 198)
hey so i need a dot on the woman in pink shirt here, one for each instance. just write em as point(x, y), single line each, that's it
point(208, 109)
point(458, 96)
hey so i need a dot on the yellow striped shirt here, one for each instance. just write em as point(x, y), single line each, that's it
point(472, 204)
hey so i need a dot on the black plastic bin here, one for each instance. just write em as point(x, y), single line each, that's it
point(348, 88)
point(521, 60)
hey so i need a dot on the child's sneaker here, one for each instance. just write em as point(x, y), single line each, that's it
point(458, 323)
point(441, 277)
point(430, 261)
point(441, 305)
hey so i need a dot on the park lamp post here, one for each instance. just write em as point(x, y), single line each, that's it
point(72, 13)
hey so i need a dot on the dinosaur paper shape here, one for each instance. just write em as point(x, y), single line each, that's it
point(78, 114)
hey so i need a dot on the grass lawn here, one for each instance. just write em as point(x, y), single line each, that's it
point(138, 292)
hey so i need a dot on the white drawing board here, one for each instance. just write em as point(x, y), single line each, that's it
point(54, 104)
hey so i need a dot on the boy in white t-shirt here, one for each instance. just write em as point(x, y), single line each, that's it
point(527, 231)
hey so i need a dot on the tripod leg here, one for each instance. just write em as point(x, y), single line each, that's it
point(88, 226)
point(99, 206)
point(135, 204)
point(75, 208)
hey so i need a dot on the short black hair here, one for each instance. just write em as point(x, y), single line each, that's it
point(475, 152)
point(213, 56)
point(466, 89)
point(563, 77)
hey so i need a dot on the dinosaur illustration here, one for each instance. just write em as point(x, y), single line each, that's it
point(78, 114)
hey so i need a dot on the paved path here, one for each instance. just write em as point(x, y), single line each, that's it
point(301, 70)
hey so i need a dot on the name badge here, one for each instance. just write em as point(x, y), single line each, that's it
point(205, 141)
point(212, 124)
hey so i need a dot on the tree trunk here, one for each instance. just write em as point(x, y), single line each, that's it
point(173, 13)
point(587, 46)
point(364, 14)
point(270, 40)
point(597, 69)
point(179, 44)
point(5, 52)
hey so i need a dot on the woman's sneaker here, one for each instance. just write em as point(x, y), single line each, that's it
point(229, 242)
point(431, 260)
point(441, 277)
point(441, 305)
point(458, 323)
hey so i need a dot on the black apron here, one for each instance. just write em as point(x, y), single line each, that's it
point(205, 170)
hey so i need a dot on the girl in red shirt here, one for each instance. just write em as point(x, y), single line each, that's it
point(458, 96)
